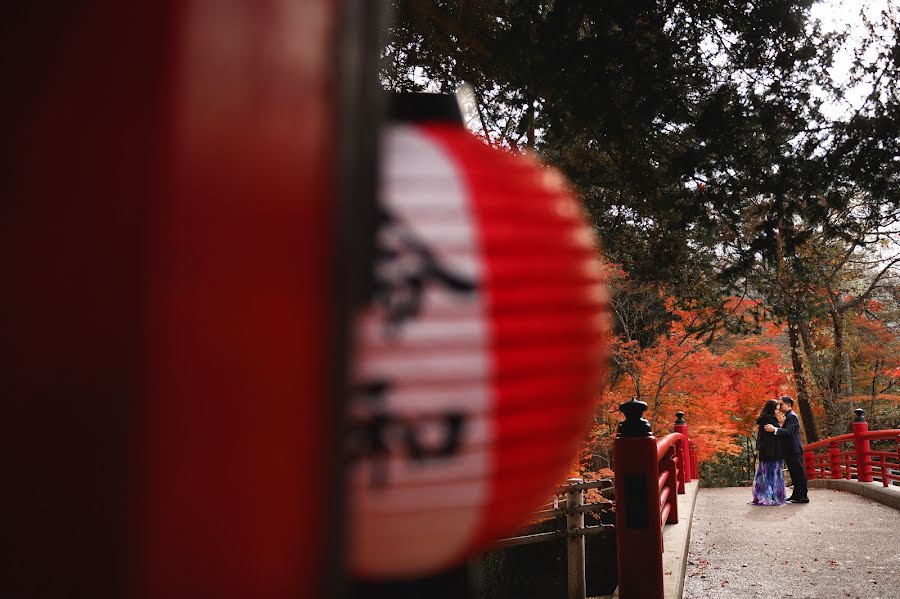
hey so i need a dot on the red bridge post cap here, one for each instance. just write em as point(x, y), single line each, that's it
point(634, 424)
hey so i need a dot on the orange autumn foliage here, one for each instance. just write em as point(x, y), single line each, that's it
point(720, 387)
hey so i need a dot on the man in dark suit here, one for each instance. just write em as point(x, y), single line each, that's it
point(789, 433)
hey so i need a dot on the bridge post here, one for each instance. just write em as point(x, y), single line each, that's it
point(695, 466)
point(638, 528)
point(809, 464)
point(575, 542)
point(678, 461)
point(669, 463)
point(834, 455)
point(862, 447)
point(685, 452)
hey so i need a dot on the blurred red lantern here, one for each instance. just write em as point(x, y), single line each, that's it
point(480, 359)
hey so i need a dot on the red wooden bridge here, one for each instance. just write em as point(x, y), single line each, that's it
point(832, 459)
point(737, 550)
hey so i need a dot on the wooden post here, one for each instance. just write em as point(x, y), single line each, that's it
point(672, 483)
point(685, 445)
point(898, 454)
point(638, 530)
point(834, 454)
point(695, 466)
point(575, 541)
point(862, 447)
point(681, 469)
point(809, 464)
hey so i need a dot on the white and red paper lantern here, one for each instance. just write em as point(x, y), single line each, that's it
point(479, 363)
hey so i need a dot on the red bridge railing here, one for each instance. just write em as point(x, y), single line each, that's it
point(830, 459)
point(650, 473)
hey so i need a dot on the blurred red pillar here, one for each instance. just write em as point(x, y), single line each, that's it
point(171, 331)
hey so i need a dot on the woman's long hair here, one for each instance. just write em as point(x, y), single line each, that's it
point(769, 408)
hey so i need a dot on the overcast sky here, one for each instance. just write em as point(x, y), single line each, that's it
point(837, 15)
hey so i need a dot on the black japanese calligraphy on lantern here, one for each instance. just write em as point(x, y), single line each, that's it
point(367, 438)
point(380, 434)
point(405, 266)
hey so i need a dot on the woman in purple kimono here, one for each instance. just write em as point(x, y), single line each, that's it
point(768, 484)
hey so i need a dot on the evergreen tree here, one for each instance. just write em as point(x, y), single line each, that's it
point(694, 131)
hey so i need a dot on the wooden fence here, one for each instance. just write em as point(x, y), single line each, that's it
point(651, 473)
point(574, 532)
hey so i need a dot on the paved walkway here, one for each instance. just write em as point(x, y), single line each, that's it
point(838, 545)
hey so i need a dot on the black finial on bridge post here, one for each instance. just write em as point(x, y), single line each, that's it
point(634, 424)
point(679, 418)
point(859, 415)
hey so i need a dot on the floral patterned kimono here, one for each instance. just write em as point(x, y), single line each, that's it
point(768, 484)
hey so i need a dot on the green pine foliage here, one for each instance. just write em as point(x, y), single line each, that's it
point(698, 136)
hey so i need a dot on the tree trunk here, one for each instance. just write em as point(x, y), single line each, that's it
point(874, 391)
point(836, 375)
point(808, 348)
point(813, 365)
point(845, 356)
point(784, 232)
point(837, 371)
point(848, 386)
point(529, 140)
point(803, 405)
point(828, 380)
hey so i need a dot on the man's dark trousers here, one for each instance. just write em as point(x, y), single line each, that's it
point(789, 434)
point(794, 463)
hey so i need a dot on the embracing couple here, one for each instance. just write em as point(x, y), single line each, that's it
point(778, 441)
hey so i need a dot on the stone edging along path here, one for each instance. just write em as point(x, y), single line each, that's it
point(889, 496)
point(676, 542)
